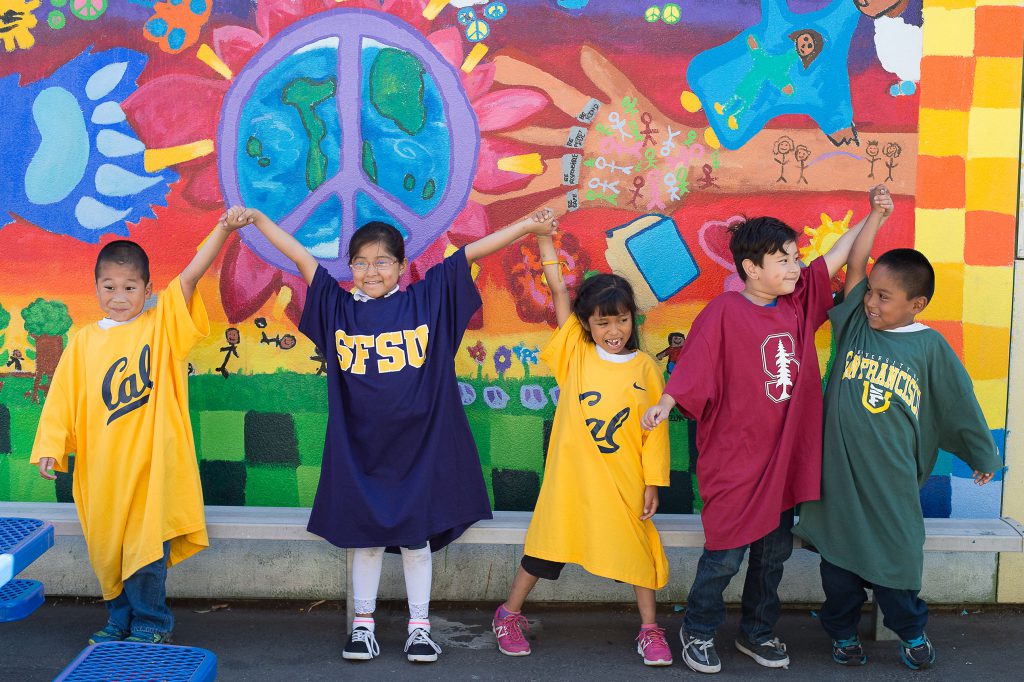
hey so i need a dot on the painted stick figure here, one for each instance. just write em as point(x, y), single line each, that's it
point(892, 151)
point(802, 154)
point(670, 144)
point(619, 124)
point(675, 346)
point(648, 131)
point(872, 152)
point(638, 183)
point(782, 148)
point(708, 181)
point(233, 337)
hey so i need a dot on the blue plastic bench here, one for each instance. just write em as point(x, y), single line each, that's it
point(131, 661)
point(22, 541)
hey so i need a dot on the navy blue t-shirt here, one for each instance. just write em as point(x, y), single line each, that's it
point(400, 465)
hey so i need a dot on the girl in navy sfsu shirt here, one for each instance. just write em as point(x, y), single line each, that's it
point(400, 468)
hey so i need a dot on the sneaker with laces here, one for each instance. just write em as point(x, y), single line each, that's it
point(918, 653)
point(848, 651)
point(361, 645)
point(419, 648)
point(109, 633)
point(509, 628)
point(149, 638)
point(770, 653)
point(699, 655)
point(651, 644)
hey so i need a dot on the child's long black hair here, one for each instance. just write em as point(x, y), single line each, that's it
point(606, 295)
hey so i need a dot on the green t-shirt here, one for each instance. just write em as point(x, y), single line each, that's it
point(893, 399)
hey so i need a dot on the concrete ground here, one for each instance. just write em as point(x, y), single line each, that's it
point(295, 642)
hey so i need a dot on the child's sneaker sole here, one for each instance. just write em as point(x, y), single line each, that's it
point(348, 656)
point(700, 668)
point(655, 664)
point(760, 660)
point(422, 658)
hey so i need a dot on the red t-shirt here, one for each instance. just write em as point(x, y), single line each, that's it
point(749, 376)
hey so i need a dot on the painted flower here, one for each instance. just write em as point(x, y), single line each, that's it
point(502, 360)
point(247, 282)
point(478, 352)
point(525, 275)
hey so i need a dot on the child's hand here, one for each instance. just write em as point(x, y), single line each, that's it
point(46, 465)
point(650, 501)
point(982, 478)
point(239, 216)
point(653, 416)
point(542, 223)
point(881, 200)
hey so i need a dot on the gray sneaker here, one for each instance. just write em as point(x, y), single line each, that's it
point(770, 653)
point(699, 655)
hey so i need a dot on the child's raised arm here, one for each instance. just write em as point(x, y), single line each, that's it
point(839, 254)
point(289, 246)
point(541, 222)
point(857, 264)
point(204, 257)
point(554, 278)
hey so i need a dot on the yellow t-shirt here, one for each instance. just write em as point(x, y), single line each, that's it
point(599, 461)
point(119, 400)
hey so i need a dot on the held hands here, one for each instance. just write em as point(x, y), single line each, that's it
point(238, 216)
point(46, 465)
point(982, 478)
point(650, 501)
point(881, 200)
point(654, 416)
point(543, 223)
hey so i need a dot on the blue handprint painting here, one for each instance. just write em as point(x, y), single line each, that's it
point(73, 165)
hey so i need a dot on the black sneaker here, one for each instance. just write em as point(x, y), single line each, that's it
point(848, 651)
point(918, 653)
point(361, 646)
point(770, 654)
point(699, 655)
point(419, 648)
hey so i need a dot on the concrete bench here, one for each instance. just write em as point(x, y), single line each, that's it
point(509, 528)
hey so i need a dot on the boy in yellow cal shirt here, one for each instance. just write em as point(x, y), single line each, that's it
point(119, 401)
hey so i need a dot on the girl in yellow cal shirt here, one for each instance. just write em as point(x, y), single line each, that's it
point(603, 470)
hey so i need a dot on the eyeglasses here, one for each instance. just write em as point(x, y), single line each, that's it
point(379, 264)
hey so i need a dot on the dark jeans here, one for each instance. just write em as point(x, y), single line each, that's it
point(141, 608)
point(903, 611)
point(705, 607)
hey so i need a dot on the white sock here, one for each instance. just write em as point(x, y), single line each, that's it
point(419, 572)
point(366, 566)
point(364, 622)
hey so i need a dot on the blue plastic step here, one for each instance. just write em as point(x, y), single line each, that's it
point(131, 661)
point(22, 541)
point(19, 598)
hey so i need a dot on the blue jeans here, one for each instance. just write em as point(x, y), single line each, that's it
point(903, 611)
point(705, 607)
point(141, 608)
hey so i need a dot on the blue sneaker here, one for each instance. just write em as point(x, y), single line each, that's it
point(150, 638)
point(848, 651)
point(109, 633)
point(918, 653)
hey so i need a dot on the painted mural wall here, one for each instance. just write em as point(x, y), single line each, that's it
point(653, 126)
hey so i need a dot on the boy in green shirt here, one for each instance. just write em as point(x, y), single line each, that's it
point(897, 393)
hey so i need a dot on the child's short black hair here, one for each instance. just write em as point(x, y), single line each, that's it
point(606, 295)
point(756, 238)
point(124, 252)
point(913, 271)
point(676, 335)
point(378, 231)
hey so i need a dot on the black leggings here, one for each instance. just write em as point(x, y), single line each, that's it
point(541, 568)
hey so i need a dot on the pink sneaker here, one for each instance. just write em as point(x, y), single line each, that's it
point(651, 644)
point(509, 628)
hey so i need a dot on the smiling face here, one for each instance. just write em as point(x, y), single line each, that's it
point(381, 272)
point(777, 275)
point(611, 332)
point(121, 291)
point(804, 44)
point(886, 303)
